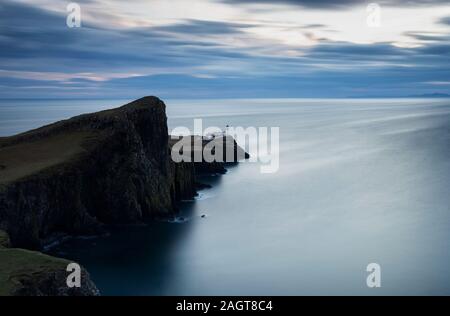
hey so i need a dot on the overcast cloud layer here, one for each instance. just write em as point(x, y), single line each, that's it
point(223, 49)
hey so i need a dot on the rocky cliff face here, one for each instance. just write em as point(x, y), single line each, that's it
point(4, 239)
point(121, 174)
point(74, 176)
point(107, 167)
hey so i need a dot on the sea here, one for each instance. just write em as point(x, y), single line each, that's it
point(360, 183)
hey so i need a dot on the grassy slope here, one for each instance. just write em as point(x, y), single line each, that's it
point(28, 157)
point(16, 264)
point(30, 152)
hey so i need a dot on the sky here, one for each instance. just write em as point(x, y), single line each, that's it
point(224, 49)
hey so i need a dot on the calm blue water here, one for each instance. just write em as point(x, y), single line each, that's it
point(360, 181)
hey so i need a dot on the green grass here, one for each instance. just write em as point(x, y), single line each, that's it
point(19, 264)
point(29, 157)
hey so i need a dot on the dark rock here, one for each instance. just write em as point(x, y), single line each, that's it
point(4, 239)
point(30, 273)
point(201, 186)
point(121, 173)
point(72, 177)
point(225, 144)
point(109, 167)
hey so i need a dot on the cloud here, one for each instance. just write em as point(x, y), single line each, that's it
point(445, 20)
point(241, 56)
point(317, 4)
point(64, 77)
point(339, 4)
point(199, 27)
point(438, 83)
point(428, 36)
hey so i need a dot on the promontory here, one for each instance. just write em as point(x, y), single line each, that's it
point(75, 176)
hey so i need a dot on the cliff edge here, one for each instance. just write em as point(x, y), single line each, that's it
point(31, 273)
point(68, 177)
point(75, 175)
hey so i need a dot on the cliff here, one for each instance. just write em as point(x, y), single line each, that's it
point(4, 239)
point(24, 272)
point(73, 176)
point(197, 143)
point(106, 167)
